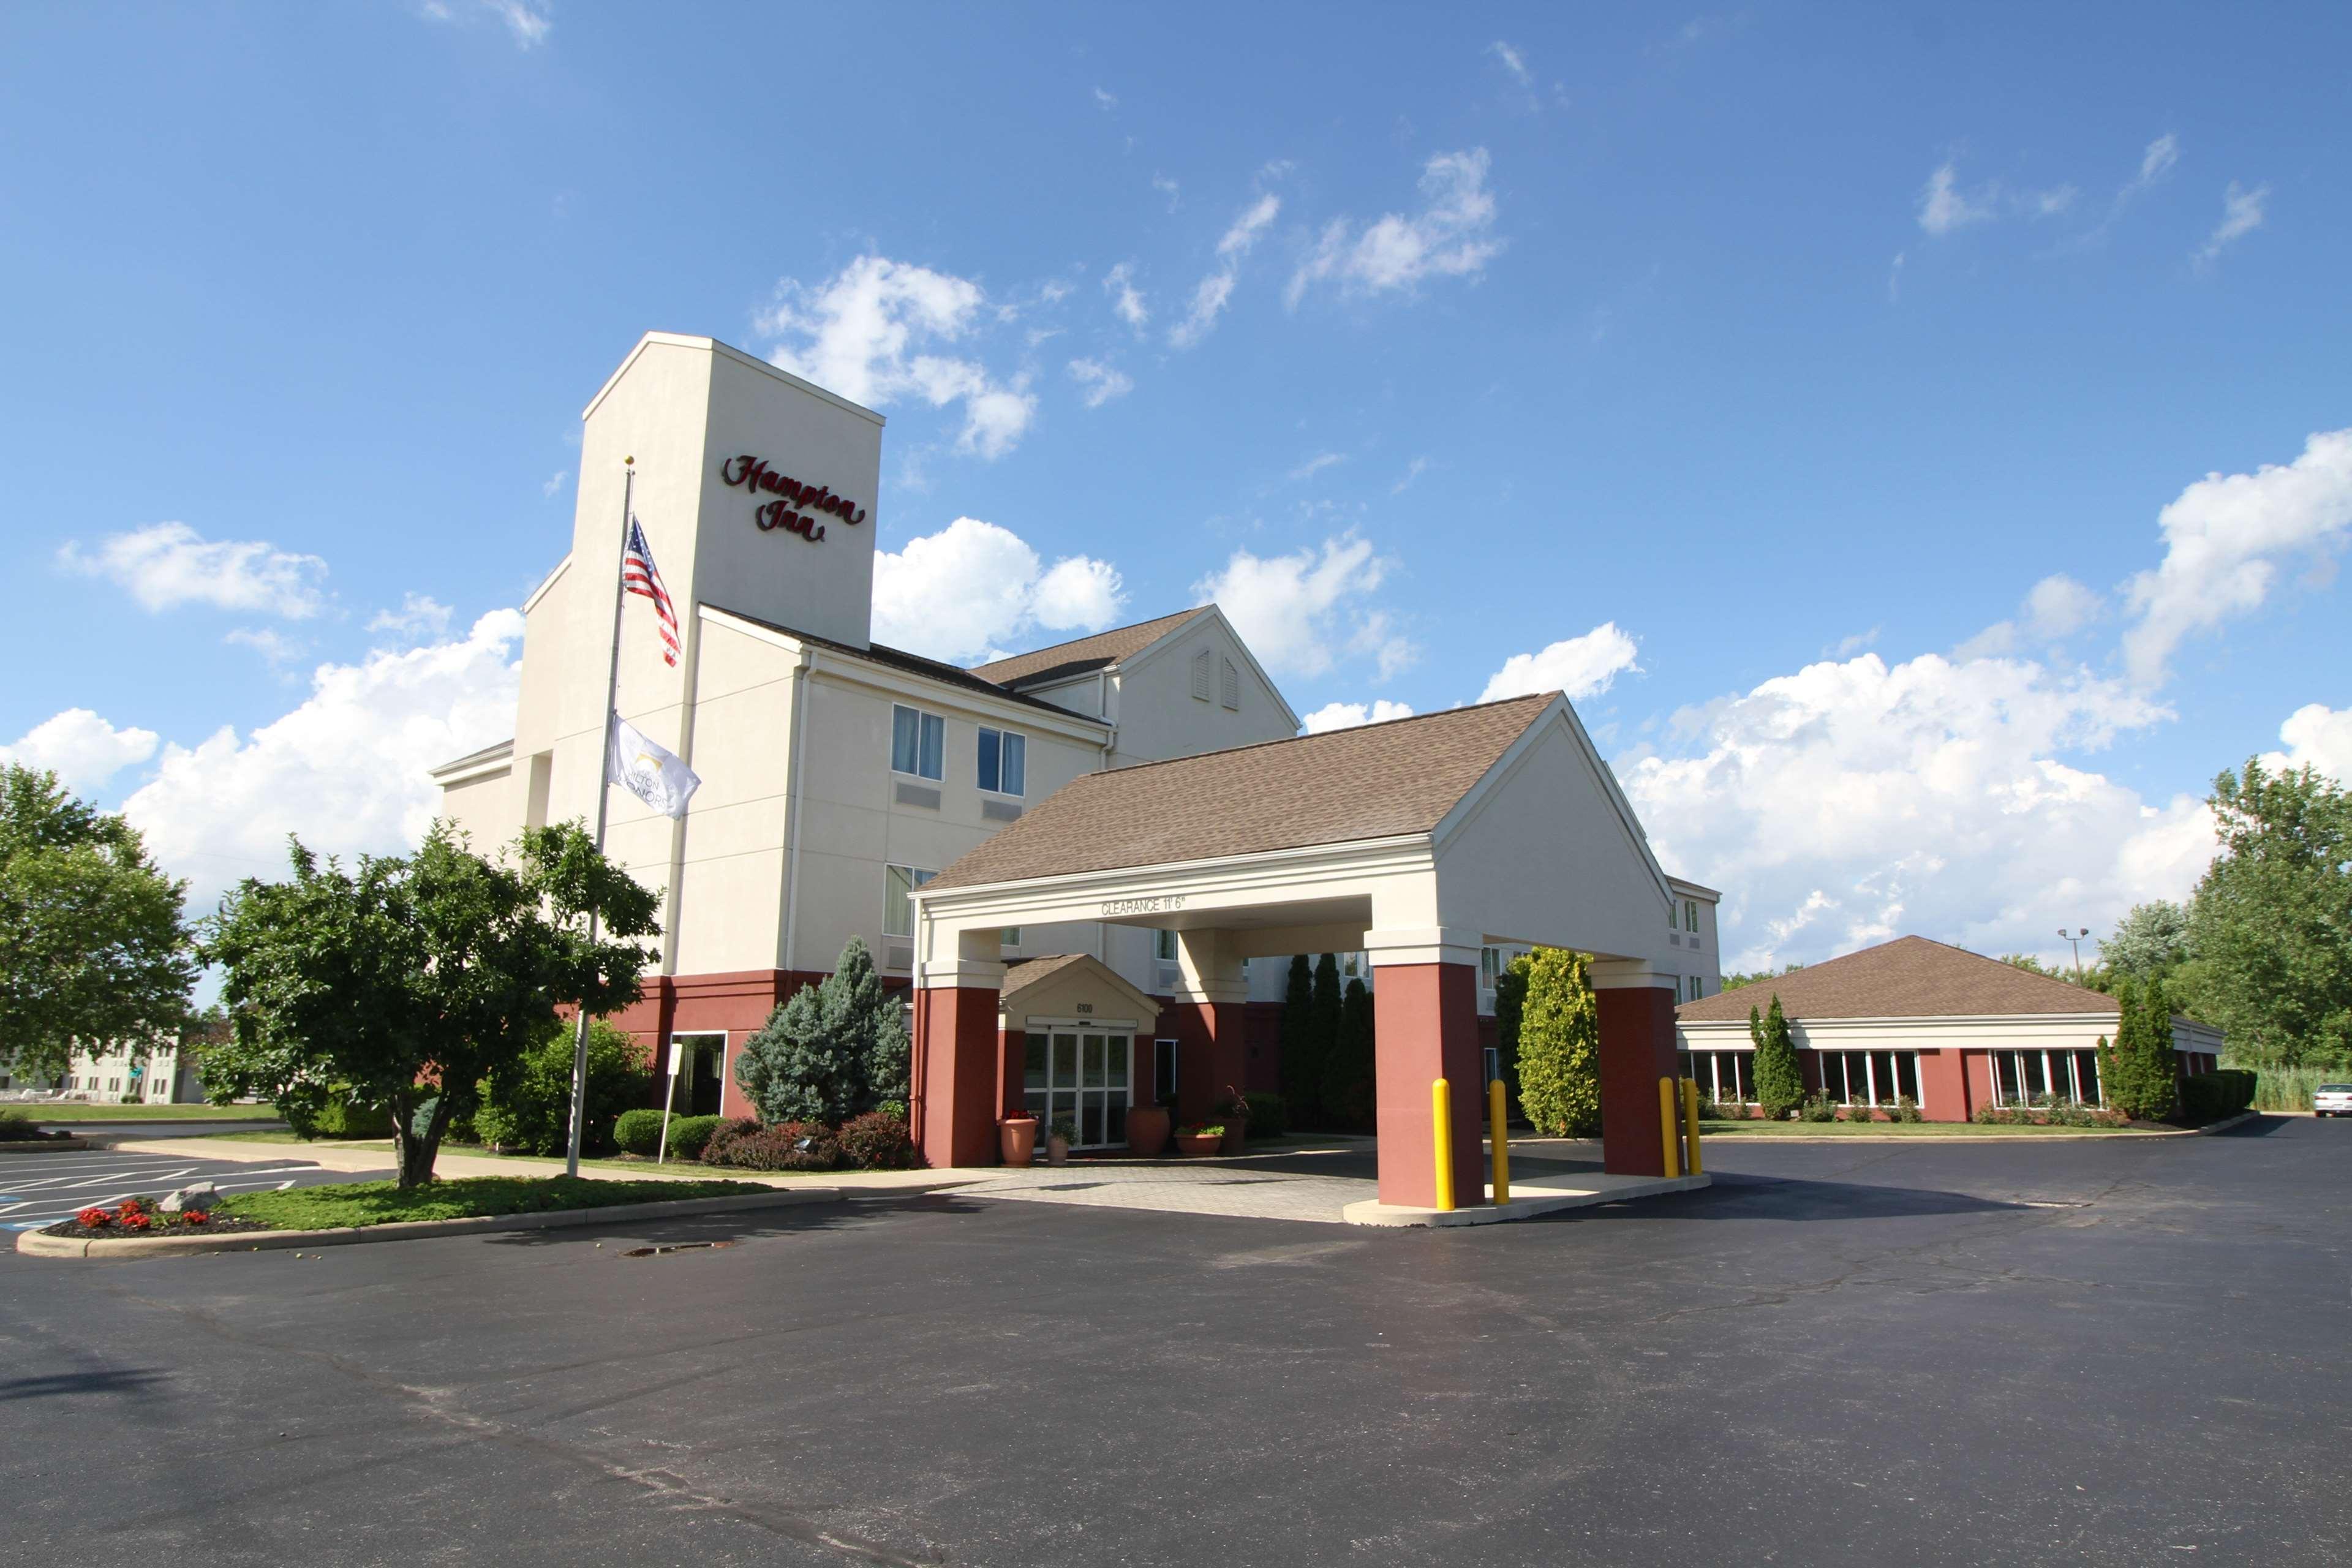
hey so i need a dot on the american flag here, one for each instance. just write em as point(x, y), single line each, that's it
point(638, 576)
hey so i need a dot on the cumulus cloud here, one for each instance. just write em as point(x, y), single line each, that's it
point(269, 642)
point(870, 332)
point(2225, 540)
point(1348, 715)
point(1099, 382)
point(1854, 801)
point(526, 22)
point(345, 770)
point(1582, 667)
point(2316, 735)
point(420, 614)
point(1943, 206)
point(1300, 613)
point(1449, 237)
point(2056, 607)
point(1126, 301)
point(83, 750)
point(166, 565)
point(974, 587)
point(2242, 213)
point(1210, 296)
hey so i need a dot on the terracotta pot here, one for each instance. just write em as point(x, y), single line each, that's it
point(1147, 1130)
point(1017, 1139)
point(1189, 1144)
point(1057, 1151)
point(1236, 1133)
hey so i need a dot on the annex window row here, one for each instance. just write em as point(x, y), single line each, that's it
point(919, 748)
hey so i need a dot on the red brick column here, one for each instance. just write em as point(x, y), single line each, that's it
point(1637, 1049)
point(956, 1055)
point(1424, 1028)
point(1211, 1053)
point(1943, 1086)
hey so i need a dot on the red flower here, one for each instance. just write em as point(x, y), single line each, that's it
point(194, 1217)
point(135, 1220)
point(128, 1207)
point(95, 1218)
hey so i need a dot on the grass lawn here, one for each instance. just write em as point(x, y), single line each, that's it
point(336, 1205)
point(474, 1151)
point(77, 1112)
point(1892, 1130)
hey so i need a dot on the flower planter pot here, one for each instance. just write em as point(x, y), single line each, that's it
point(1189, 1144)
point(1057, 1151)
point(1017, 1139)
point(1236, 1133)
point(1147, 1130)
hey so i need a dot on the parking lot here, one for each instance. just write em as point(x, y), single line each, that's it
point(42, 1189)
point(2098, 1351)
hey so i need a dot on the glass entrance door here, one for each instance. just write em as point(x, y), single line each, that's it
point(1081, 1073)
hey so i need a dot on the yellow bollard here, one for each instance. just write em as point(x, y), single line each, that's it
point(1690, 1121)
point(1670, 1126)
point(1494, 1109)
point(1441, 1109)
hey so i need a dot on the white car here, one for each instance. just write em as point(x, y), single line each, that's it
point(2332, 1100)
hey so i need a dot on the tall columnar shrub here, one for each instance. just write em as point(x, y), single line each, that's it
point(2162, 1093)
point(1323, 1025)
point(1510, 1007)
point(1354, 1068)
point(1560, 1046)
point(1780, 1081)
point(2126, 1060)
point(837, 1049)
point(1302, 1074)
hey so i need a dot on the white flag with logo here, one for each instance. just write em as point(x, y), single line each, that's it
point(648, 772)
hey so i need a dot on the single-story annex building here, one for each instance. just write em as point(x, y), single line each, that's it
point(1951, 1028)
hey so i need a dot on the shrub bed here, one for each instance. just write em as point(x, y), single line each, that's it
point(15, 1127)
point(1268, 1114)
point(638, 1131)
point(878, 1141)
point(690, 1135)
point(2047, 1115)
point(746, 1145)
point(140, 1217)
point(2214, 1096)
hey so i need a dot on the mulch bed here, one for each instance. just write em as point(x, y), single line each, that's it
point(158, 1223)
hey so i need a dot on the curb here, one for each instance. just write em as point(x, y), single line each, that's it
point(1527, 1200)
point(2229, 1121)
point(33, 1244)
point(44, 1145)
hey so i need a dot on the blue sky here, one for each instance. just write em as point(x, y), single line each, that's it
point(1803, 386)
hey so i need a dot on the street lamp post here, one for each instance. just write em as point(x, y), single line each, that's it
point(2075, 938)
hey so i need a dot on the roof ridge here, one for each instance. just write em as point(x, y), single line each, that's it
point(1088, 636)
point(1315, 735)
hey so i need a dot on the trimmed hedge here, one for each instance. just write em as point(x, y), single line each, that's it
point(880, 1142)
point(2212, 1095)
point(690, 1135)
point(788, 1146)
point(1269, 1115)
point(638, 1131)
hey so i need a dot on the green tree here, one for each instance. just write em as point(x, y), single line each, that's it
point(835, 1050)
point(2159, 1075)
point(92, 948)
point(403, 977)
point(2151, 940)
point(1560, 1045)
point(1780, 1081)
point(1510, 1009)
point(1323, 1035)
point(2125, 1067)
point(526, 1105)
point(1355, 1067)
point(2270, 929)
point(1302, 1067)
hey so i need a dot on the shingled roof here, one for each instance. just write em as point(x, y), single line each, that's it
point(1083, 655)
point(1910, 977)
point(912, 663)
point(1375, 781)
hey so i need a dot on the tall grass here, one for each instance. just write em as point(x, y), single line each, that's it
point(2289, 1088)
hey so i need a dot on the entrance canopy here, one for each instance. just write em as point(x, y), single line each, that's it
point(1418, 841)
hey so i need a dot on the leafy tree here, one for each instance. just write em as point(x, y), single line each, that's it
point(1510, 1009)
point(404, 977)
point(1354, 1071)
point(2270, 929)
point(2151, 940)
point(526, 1105)
point(2126, 1066)
point(1780, 1081)
point(92, 949)
point(835, 1050)
point(1560, 1045)
point(1302, 1067)
point(1738, 978)
point(2160, 1083)
point(1323, 1033)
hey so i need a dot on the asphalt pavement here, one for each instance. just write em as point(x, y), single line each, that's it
point(42, 1189)
point(2101, 1352)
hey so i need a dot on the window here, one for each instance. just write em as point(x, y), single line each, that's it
point(1009, 937)
point(1164, 945)
point(1869, 1078)
point(1690, 914)
point(1003, 762)
point(1728, 1078)
point(1163, 1072)
point(897, 911)
point(1229, 687)
point(1490, 964)
point(1693, 987)
point(2030, 1078)
point(1201, 675)
point(918, 743)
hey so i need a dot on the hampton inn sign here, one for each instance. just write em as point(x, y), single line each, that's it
point(753, 474)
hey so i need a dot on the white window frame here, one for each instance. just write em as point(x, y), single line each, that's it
point(926, 725)
point(1006, 739)
point(1204, 677)
point(916, 877)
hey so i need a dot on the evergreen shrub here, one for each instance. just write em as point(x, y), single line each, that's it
point(1268, 1114)
point(878, 1141)
point(2212, 1095)
point(1779, 1083)
point(1560, 1046)
point(786, 1146)
point(527, 1109)
point(690, 1135)
point(638, 1131)
point(1818, 1108)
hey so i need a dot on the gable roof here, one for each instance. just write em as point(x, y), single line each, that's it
point(1022, 974)
point(1083, 655)
point(1910, 977)
point(912, 663)
point(1376, 780)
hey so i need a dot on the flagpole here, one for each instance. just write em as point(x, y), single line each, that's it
point(604, 792)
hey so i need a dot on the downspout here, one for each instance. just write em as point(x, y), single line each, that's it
point(795, 810)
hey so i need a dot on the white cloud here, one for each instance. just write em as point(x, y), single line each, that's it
point(1943, 206)
point(2316, 735)
point(1125, 301)
point(1168, 187)
point(2154, 164)
point(1447, 238)
point(2225, 537)
point(554, 483)
point(83, 750)
point(526, 22)
point(2050, 203)
point(269, 642)
point(1582, 667)
point(1099, 380)
point(2054, 608)
point(972, 587)
point(345, 770)
point(1316, 465)
point(1348, 715)
point(1301, 612)
point(1512, 62)
point(2242, 213)
point(861, 333)
point(1105, 101)
point(1209, 297)
point(1413, 471)
point(420, 614)
point(1853, 802)
point(167, 564)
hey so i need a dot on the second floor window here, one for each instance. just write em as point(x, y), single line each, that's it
point(918, 743)
point(897, 907)
point(1003, 762)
